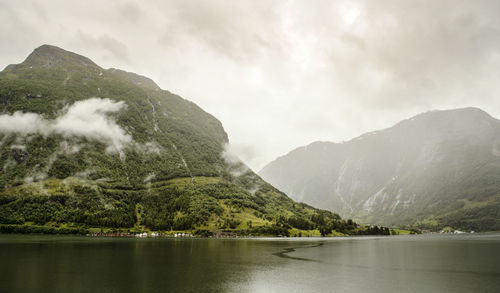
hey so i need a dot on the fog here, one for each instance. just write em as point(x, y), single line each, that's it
point(279, 74)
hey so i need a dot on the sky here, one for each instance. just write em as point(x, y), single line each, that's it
point(282, 74)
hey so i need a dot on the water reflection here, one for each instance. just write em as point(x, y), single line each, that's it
point(402, 264)
point(391, 264)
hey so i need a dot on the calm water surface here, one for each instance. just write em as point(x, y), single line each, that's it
point(422, 263)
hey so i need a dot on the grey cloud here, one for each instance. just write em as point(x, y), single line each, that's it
point(280, 74)
point(16, 31)
point(219, 25)
point(130, 11)
point(236, 151)
point(431, 50)
point(40, 11)
point(106, 42)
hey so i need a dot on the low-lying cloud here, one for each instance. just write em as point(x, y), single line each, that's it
point(88, 118)
point(236, 166)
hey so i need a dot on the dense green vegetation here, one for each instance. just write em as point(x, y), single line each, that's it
point(35, 229)
point(172, 176)
point(207, 203)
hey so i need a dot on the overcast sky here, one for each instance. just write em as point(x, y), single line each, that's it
point(281, 74)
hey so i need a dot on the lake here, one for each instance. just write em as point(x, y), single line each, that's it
point(419, 263)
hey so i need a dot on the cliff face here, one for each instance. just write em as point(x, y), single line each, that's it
point(437, 168)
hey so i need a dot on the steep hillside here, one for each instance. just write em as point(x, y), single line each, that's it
point(438, 168)
point(83, 147)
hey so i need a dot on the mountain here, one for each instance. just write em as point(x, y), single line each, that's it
point(84, 148)
point(439, 168)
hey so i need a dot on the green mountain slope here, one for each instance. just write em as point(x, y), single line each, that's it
point(437, 169)
point(87, 147)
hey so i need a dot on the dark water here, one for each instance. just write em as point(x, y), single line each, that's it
point(433, 263)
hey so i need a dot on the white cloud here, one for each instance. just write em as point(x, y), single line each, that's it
point(236, 166)
point(150, 177)
point(18, 147)
point(87, 118)
point(24, 123)
point(149, 148)
point(229, 156)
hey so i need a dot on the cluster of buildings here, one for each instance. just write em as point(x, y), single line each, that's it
point(114, 234)
point(445, 231)
point(177, 235)
point(139, 235)
point(216, 234)
point(158, 234)
point(454, 232)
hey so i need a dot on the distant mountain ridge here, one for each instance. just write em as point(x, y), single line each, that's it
point(437, 168)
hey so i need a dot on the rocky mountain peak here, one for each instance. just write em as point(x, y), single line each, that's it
point(51, 56)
